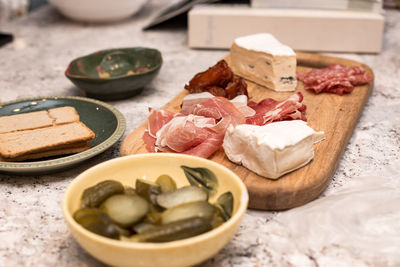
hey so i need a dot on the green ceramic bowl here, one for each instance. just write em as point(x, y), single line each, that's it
point(114, 74)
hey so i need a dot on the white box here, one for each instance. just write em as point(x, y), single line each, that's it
point(362, 5)
point(217, 26)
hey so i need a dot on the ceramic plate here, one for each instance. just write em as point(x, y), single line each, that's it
point(104, 120)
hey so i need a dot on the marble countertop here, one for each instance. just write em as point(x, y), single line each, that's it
point(32, 228)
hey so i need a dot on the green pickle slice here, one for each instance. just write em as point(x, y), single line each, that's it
point(201, 209)
point(182, 195)
point(173, 231)
point(124, 209)
point(147, 189)
point(93, 196)
point(166, 183)
point(97, 221)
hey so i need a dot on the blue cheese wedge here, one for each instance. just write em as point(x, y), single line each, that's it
point(271, 150)
point(262, 59)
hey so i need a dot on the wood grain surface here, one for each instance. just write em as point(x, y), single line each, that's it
point(335, 115)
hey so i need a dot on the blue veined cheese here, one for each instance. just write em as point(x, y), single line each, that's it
point(262, 59)
point(271, 150)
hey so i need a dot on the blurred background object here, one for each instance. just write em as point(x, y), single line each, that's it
point(362, 5)
point(355, 26)
point(10, 9)
point(98, 10)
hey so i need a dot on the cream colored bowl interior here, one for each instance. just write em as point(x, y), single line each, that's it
point(149, 166)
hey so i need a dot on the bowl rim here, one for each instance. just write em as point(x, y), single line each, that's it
point(154, 68)
point(243, 203)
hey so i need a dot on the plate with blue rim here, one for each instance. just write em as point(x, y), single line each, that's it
point(103, 119)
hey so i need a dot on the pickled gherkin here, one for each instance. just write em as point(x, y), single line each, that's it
point(97, 221)
point(147, 189)
point(201, 209)
point(166, 183)
point(182, 195)
point(93, 196)
point(124, 209)
point(173, 231)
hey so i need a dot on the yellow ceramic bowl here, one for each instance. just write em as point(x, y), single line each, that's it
point(184, 252)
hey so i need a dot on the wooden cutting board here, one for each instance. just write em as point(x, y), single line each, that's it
point(335, 115)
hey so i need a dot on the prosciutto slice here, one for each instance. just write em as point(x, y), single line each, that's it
point(219, 108)
point(190, 102)
point(184, 132)
point(188, 134)
point(157, 119)
point(270, 110)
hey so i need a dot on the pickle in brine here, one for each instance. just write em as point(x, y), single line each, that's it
point(124, 209)
point(93, 196)
point(97, 221)
point(182, 195)
point(166, 183)
point(174, 231)
point(201, 209)
point(147, 189)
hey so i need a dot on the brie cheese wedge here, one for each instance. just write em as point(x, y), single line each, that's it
point(264, 60)
point(271, 150)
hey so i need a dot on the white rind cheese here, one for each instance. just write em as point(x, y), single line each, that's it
point(271, 150)
point(264, 60)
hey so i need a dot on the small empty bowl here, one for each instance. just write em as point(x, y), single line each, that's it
point(114, 74)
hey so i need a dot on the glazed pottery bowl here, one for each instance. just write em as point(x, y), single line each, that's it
point(98, 10)
point(183, 252)
point(114, 74)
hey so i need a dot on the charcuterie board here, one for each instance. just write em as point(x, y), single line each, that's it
point(334, 114)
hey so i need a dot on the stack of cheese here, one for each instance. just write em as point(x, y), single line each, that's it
point(43, 133)
point(277, 148)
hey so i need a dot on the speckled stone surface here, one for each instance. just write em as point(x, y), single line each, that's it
point(32, 228)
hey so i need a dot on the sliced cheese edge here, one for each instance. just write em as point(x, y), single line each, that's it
point(271, 150)
point(264, 60)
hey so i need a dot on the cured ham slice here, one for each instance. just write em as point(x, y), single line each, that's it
point(184, 132)
point(270, 110)
point(157, 119)
point(208, 146)
point(149, 141)
point(219, 108)
point(240, 102)
point(189, 134)
point(191, 100)
point(335, 78)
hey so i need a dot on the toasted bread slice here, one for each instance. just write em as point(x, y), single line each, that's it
point(61, 150)
point(25, 121)
point(63, 115)
point(19, 143)
point(38, 119)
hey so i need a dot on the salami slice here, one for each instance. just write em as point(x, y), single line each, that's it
point(335, 78)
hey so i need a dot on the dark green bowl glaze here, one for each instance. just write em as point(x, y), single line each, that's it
point(114, 74)
point(103, 119)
